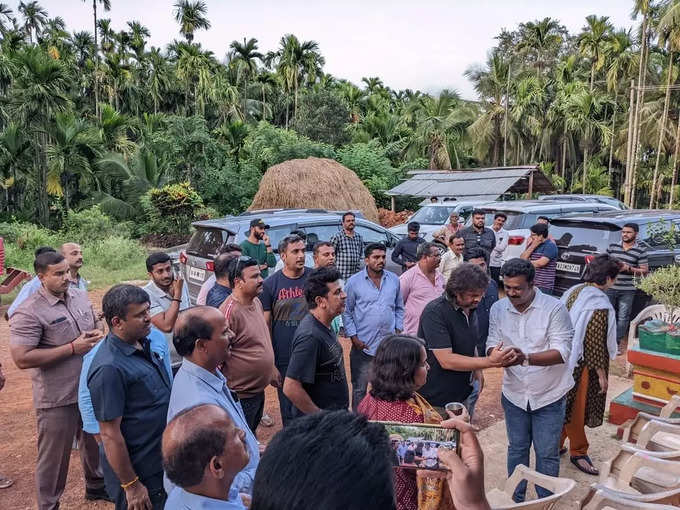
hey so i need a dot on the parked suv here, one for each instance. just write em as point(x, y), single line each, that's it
point(196, 261)
point(523, 214)
point(433, 216)
point(603, 199)
point(580, 238)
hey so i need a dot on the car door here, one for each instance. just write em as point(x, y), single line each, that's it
point(661, 249)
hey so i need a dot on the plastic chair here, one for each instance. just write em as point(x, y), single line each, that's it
point(659, 312)
point(636, 473)
point(672, 406)
point(502, 499)
point(600, 497)
point(653, 433)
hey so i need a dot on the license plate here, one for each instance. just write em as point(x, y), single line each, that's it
point(196, 274)
point(570, 268)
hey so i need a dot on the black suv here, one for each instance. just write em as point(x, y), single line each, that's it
point(580, 238)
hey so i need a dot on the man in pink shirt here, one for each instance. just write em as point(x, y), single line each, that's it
point(420, 285)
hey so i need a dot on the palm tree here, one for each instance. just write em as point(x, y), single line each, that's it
point(266, 82)
point(14, 146)
point(35, 18)
point(537, 38)
point(5, 15)
point(159, 77)
point(114, 130)
point(191, 16)
point(108, 35)
point(373, 84)
point(106, 4)
point(138, 35)
point(194, 69)
point(593, 41)
point(38, 94)
point(244, 56)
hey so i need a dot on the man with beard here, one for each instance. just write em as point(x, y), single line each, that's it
point(257, 246)
point(374, 310)
point(74, 256)
point(251, 366)
point(284, 305)
point(168, 297)
point(479, 235)
point(316, 378)
point(324, 256)
point(348, 246)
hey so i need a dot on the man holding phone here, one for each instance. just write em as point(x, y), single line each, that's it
point(49, 333)
point(258, 246)
point(169, 296)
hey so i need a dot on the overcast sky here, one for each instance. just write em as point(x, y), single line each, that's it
point(426, 44)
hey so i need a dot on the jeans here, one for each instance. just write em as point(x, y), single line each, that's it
point(471, 401)
point(253, 407)
point(359, 363)
point(622, 301)
point(288, 411)
point(543, 428)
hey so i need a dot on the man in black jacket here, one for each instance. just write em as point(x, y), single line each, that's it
point(404, 252)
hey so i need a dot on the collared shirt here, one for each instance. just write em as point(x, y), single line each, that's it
point(635, 256)
point(502, 237)
point(46, 321)
point(132, 384)
point(194, 385)
point(179, 499)
point(417, 291)
point(482, 311)
point(545, 276)
point(371, 313)
point(349, 252)
point(158, 346)
point(448, 263)
point(544, 325)
point(217, 295)
point(160, 302)
point(485, 239)
point(32, 287)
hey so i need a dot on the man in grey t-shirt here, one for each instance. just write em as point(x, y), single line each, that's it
point(168, 296)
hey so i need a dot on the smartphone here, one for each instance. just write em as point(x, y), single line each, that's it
point(415, 445)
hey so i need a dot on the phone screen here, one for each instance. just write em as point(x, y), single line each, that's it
point(415, 445)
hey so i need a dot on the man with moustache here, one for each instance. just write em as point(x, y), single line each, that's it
point(49, 334)
point(324, 256)
point(251, 366)
point(257, 246)
point(349, 247)
point(168, 297)
point(374, 310)
point(283, 302)
point(316, 378)
point(73, 254)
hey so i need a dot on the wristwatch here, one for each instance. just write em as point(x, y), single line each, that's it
point(525, 362)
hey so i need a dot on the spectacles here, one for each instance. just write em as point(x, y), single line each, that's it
point(234, 265)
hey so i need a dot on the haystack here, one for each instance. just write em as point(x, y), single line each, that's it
point(314, 183)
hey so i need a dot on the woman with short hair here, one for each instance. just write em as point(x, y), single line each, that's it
point(593, 345)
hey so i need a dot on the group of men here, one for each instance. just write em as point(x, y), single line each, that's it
point(131, 396)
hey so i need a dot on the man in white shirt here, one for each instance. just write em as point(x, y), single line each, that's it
point(496, 259)
point(535, 389)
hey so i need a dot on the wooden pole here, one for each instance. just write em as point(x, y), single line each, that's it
point(629, 152)
point(394, 204)
point(531, 185)
point(674, 179)
point(662, 132)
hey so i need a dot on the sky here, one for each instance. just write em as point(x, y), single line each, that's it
point(425, 44)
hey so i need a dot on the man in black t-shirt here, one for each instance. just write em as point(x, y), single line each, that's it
point(450, 330)
point(283, 302)
point(315, 378)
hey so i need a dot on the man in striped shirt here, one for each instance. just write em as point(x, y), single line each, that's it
point(542, 252)
point(633, 258)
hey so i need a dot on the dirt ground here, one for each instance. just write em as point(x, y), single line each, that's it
point(18, 439)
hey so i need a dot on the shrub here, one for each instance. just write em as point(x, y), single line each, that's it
point(323, 117)
point(172, 208)
point(663, 285)
point(113, 253)
point(90, 225)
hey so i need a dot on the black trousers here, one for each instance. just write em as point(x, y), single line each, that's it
point(253, 408)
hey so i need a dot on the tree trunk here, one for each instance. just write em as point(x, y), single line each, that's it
point(629, 145)
point(585, 167)
point(662, 131)
point(642, 80)
point(592, 76)
point(296, 97)
point(564, 162)
point(611, 145)
point(505, 120)
point(674, 179)
point(96, 62)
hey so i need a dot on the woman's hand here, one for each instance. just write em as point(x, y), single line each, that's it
point(466, 473)
point(603, 380)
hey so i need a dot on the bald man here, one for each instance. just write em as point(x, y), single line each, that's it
point(203, 339)
point(202, 454)
point(74, 256)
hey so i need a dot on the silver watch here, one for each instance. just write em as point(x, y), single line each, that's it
point(525, 362)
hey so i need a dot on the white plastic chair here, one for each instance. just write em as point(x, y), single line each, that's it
point(672, 406)
point(600, 498)
point(636, 473)
point(653, 433)
point(502, 499)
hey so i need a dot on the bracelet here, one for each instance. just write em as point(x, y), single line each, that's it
point(175, 299)
point(73, 349)
point(129, 484)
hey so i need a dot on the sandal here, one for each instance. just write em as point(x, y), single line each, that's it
point(592, 471)
point(563, 451)
point(5, 482)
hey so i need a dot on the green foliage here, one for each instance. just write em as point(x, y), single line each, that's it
point(231, 188)
point(91, 225)
point(323, 117)
point(114, 252)
point(172, 208)
point(663, 233)
point(369, 162)
point(663, 285)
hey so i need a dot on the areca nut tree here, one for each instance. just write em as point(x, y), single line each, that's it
point(106, 4)
point(245, 56)
point(191, 16)
point(35, 18)
point(593, 42)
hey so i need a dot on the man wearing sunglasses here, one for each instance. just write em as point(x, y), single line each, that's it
point(250, 369)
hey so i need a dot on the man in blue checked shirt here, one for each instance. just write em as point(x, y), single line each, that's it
point(159, 346)
point(374, 309)
point(202, 337)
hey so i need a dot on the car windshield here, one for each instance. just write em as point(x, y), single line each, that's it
point(206, 242)
point(593, 237)
point(432, 215)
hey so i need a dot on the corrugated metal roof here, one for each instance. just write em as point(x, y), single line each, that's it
point(483, 184)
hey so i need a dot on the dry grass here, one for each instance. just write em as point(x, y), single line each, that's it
point(314, 183)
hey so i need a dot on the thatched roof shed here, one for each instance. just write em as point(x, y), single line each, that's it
point(314, 183)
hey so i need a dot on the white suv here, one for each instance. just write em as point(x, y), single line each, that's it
point(433, 216)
